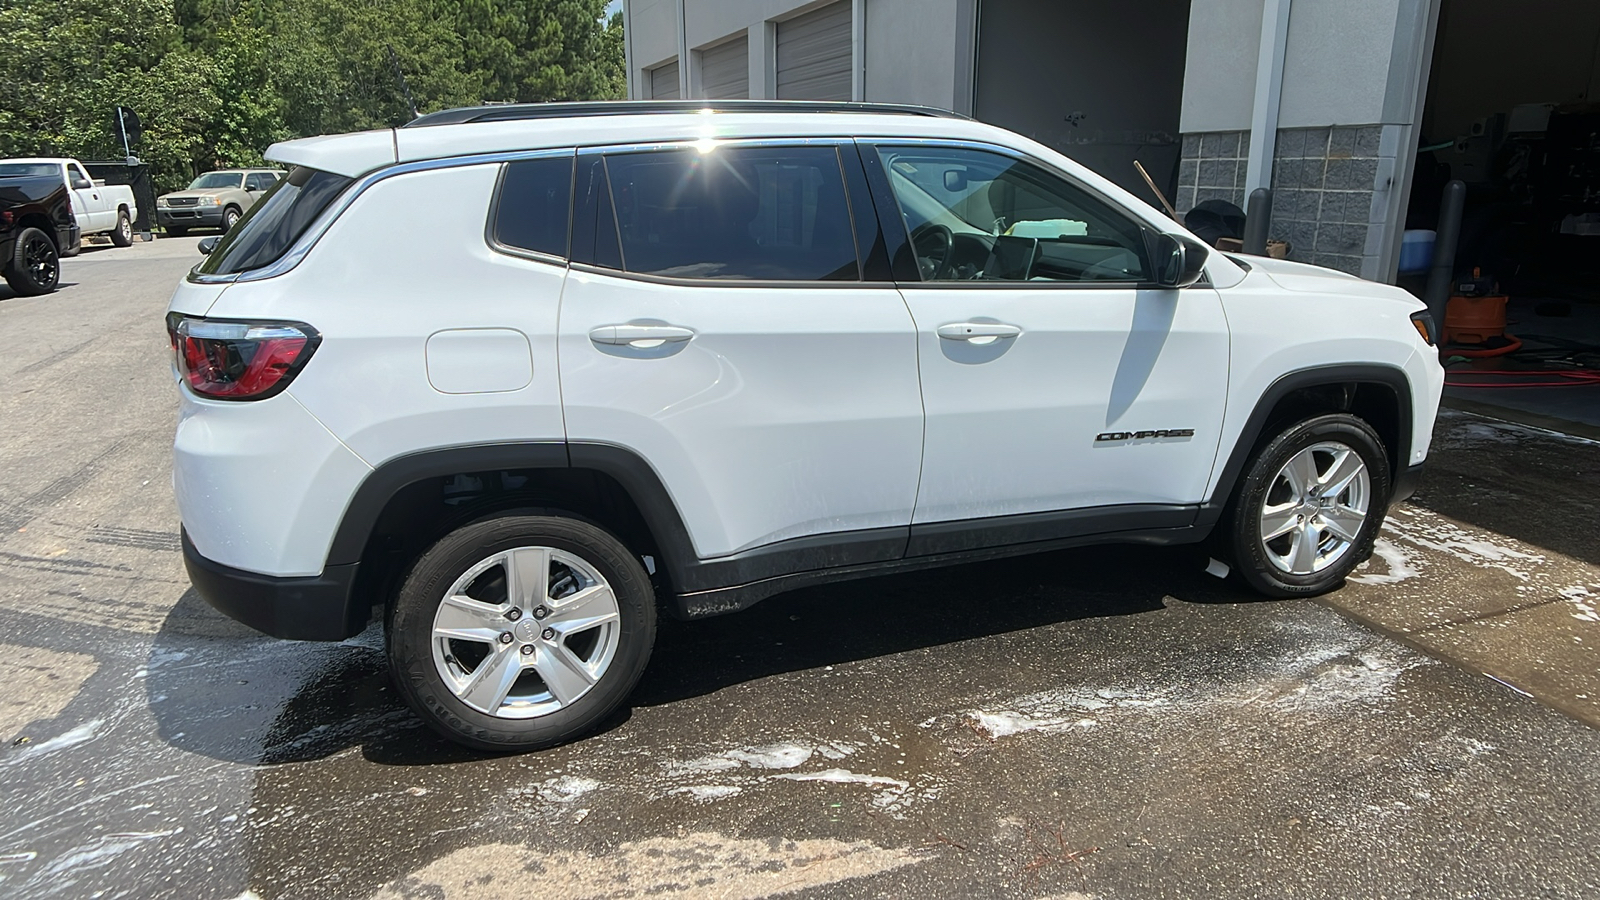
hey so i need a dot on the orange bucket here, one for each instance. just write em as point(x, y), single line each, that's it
point(1474, 320)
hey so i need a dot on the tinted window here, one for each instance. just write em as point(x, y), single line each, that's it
point(535, 205)
point(275, 222)
point(732, 212)
point(978, 216)
point(258, 181)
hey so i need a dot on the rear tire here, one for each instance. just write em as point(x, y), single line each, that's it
point(122, 235)
point(520, 632)
point(35, 264)
point(1309, 507)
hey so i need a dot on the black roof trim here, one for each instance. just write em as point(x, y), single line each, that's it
point(517, 111)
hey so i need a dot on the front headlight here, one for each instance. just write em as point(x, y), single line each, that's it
point(208, 201)
point(161, 201)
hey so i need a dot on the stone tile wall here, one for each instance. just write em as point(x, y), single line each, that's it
point(1327, 202)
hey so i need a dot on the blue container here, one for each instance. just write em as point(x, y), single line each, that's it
point(1416, 250)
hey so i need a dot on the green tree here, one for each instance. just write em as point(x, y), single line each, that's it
point(217, 81)
point(68, 63)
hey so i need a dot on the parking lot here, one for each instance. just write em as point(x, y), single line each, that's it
point(1108, 723)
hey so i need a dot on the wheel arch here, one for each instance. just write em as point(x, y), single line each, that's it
point(609, 485)
point(1377, 393)
point(41, 222)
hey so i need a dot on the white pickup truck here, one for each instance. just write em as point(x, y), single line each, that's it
point(99, 208)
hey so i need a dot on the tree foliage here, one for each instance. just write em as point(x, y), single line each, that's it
point(217, 81)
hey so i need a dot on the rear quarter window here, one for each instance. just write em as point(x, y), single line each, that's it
point(272, 225)
point(533, 209)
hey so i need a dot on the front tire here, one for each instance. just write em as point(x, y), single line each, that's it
point(230, 218)
point(1310, 506)
point(521, 632)
point(122, 235)
point(35, 264)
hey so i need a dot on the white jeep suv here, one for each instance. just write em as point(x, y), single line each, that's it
point(514, 373)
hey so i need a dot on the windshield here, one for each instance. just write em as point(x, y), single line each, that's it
point(29, 170)
point(273, 225)
point(211, 181)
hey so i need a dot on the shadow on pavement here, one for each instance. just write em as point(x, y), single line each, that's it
point(220, 690)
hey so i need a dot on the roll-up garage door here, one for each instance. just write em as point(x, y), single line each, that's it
point(725, 71)
point(814, 55)
point(664, 82)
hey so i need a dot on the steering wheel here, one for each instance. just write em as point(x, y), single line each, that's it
point(935, 242)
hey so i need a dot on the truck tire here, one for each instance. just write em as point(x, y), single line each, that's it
point(1309, 507)
point(122, 235)
point(521, 631)
point(230, 218)
point(35, 264)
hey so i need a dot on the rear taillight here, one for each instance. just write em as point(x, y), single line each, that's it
point(239, 360)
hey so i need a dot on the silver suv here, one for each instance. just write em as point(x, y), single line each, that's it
point(214, 200)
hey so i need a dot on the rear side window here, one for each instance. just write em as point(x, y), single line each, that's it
point(734, 212)
point(534, 209)
point(274, 223)
point(258, 181)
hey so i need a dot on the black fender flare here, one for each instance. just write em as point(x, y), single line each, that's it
point(636, 476)
point(1390, 376)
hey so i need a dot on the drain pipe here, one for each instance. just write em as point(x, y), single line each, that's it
point(1269, 90)
point(1257, 219)
point(1437, 293)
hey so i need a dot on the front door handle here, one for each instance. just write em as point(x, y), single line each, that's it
point(982, 332)
point(643, 336)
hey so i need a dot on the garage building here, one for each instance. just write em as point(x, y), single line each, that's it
point(1355, 112)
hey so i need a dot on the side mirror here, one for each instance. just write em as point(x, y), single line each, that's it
point(955, 179)
point(1179, 261)
point(208, 244)
point(81, 184)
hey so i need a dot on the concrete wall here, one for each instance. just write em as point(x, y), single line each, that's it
point(652, 35)
point(1339, 63)
point(1220, 66)
point(1347, 119)
point(920, 51)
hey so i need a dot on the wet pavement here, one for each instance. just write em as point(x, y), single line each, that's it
point(1100, 723)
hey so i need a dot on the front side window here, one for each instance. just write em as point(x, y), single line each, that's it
point(973, 215)
point(534, 208)
point(275, 222)
point(733, 212)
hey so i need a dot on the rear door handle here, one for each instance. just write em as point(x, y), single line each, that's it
point(967, 331)
point(640, 335)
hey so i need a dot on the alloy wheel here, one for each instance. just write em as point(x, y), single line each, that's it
point(1315, 508)
point(40, 258)
point(526, 632)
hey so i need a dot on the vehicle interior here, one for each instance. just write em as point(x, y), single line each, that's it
point(981, 217)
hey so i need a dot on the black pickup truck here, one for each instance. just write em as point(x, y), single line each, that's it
point(36, 230)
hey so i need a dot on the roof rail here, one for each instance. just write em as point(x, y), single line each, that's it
point(510, 112)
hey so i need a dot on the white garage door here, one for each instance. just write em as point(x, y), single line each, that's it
point(814, 55)
point(664, 82)
point(725, 71)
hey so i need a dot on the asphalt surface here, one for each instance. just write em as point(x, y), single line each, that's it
point(1101, 723)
